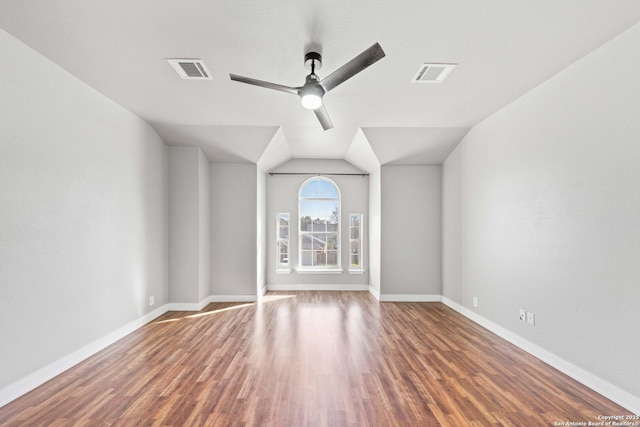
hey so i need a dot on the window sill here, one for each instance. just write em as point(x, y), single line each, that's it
point(283, 271)
point(318, 271)
point(356, 271)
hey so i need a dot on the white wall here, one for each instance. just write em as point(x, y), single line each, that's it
point(282, 196)
point(184, 259)
point(261, 235)
point(452, 227)
point(83, 214)
point(549, 210)
point(233, 230)
point(204, 227)
point(410, 230)
point(375, 231)
point(189, 227)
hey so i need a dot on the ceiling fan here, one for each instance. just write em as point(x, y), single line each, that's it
point(313, 90)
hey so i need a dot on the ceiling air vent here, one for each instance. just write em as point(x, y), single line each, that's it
point(192, 69)
point(433, 73)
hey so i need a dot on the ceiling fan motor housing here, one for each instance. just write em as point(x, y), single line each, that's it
point(312, 86)
point(313, 60)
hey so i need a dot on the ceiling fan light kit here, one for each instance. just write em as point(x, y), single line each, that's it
point(311, 93)
point(311, 101)
point(314, 89)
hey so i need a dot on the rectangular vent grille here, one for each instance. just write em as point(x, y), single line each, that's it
point(192, 69)
point(433, 73)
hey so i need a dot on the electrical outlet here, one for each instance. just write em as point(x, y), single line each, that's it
point(475, 301)
point(523, 315)
point(151, 301)
point(531, 318)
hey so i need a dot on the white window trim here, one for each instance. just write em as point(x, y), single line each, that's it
point(320, 270)
point(360, 269)
point(280, 269)
point(303, 270)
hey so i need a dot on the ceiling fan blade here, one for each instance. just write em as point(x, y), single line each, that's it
point(353, 67)
point(262, 83)
point(323, 116)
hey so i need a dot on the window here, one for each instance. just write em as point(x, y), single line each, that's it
point(319, 214)
point(355, 242)
point(282, 241)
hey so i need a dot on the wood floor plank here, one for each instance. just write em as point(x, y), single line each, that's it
point(310, 359)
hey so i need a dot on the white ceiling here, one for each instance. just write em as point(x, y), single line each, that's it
point(503, 48)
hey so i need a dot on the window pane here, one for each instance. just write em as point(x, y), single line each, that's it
point(306, 243)
point(282, 240)
point(331, 207)
point(319, 258)
point(305, 258)
point(355, 244)
point(355, 254)
point(284, 232)
point(332, 241)
point(332, 258)
point(319, 188)
point(319, 242)
point(354, 233)
point(305, 223)
point(306, 208)
point(320, 209)
point(319, 225)
point(355, 261)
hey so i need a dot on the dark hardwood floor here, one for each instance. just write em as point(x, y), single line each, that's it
point(307, 359)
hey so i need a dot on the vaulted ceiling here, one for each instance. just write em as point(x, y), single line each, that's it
point(503, 49)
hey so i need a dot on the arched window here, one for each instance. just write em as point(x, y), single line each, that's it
point(319, 225)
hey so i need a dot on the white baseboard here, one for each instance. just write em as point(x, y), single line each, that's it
point(234, 298)
point(597, 384)
point(189, 306)
point(318, 287)
point(42, 375)
point(198, 306)
point(409, 298)
point(373, 291)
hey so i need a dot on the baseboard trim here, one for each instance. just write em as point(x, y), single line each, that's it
point(198, 306)
point(188, 306)
point(409, 298)
point(318, 287)
point(234, 298)
point(597, 384)
point(373, 291)
point(42, 375)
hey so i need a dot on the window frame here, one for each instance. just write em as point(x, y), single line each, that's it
point(360, 267)
point(338, 235)
point(280, 267)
